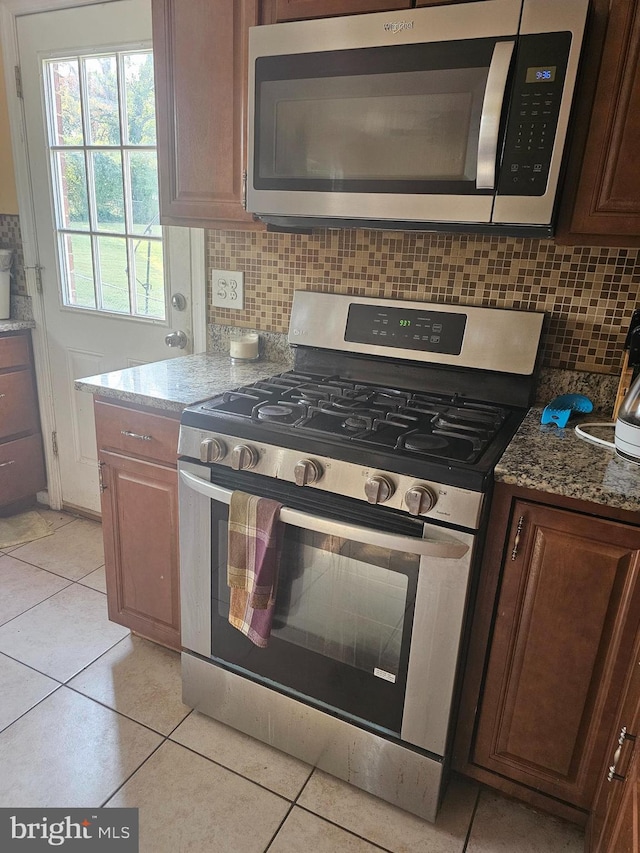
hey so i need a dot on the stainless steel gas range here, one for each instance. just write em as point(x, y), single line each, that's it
point(380, 445)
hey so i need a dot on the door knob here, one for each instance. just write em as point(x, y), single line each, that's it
point(176, 339)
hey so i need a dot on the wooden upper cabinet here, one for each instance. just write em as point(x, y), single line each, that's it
point(275, 11)
point(607, 198)
point(566, 620)
point(200, 58)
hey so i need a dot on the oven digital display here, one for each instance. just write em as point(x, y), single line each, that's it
point(541, 74)
point(407, 328)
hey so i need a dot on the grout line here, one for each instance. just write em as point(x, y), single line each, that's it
point(229, 769)
point(294, 802)
point(139, 767)
point(33, 707)
point(473, 817)
point(32, 606)
point(51, 572)
point(349, 831)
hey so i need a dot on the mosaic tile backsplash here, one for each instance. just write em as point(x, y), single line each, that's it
point(588, 293)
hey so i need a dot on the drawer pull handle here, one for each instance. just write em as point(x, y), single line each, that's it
point(516, 541)
point(4, 464)
point(2, 395)
point(136, 435)
point(624, 736)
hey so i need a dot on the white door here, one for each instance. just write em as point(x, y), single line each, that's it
point(109, 295)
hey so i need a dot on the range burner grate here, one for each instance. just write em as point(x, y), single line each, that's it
point(425, 424)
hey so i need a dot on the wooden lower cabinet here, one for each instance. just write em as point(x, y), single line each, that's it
point(538, 707)
point(22, 472)
point(140, 522)
point(614, 825)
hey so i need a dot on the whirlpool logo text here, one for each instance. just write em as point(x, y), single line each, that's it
point(398, 26)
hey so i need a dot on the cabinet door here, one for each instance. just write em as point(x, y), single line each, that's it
point(200, 57)
point(18, 404)
point(608, 195)
point(614, 825)
point(21, 469)
point(274, 11)
point(140, 530)
point(566, 619)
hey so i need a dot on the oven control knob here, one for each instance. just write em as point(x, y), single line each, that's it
point(243, 457)
point(378, 489)
point(419, 500)
point(307, 472)
point(212, 450)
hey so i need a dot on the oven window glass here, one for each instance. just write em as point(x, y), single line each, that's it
point(342, 623)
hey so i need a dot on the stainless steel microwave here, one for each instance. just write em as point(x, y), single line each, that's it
point(450, 117)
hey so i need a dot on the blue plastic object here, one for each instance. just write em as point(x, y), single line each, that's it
point(561, 408)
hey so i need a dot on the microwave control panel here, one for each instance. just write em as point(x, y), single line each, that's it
point(537, 89)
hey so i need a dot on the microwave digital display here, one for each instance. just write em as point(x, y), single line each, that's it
point(541, 74)
point(407, 328)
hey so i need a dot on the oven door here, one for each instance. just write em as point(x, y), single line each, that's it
point(368, 619)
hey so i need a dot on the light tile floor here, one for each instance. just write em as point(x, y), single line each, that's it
point(92, 716)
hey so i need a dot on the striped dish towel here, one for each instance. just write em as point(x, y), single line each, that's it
point(252, 568)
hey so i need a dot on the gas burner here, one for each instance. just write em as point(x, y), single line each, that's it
point(351, 404)
point(445, 422)
point(489, 418)
point(274, 412)
point(311, 394)
point(356, 423)
point(424, 442)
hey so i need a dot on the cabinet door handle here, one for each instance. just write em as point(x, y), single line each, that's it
point(136, 435)
point(624, 736)
point(2, 395)
point(516, 541)
point(101, 465)
point(4, 464)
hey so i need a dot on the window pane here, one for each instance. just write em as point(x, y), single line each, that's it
point(114, 277)
point(139, 99)
point(65, 117)
point(71, 176)
point(144, 191)
point(149, 273)
point(77, 270)
point(107, 175)
point(102, 107)
point(103, 187)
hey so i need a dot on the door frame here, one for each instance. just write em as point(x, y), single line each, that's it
point(10, 11)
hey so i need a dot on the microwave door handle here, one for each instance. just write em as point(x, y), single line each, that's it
point(491, 112)
point(451, 549)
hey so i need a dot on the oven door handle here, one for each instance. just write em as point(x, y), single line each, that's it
point(447, 548)
point(491, 111)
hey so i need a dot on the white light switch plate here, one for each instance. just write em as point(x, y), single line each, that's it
point(227, 289)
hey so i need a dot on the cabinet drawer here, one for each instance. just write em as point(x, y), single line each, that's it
point(14, 351)
point(18, 409)
point(21, 468)
point(137, 433)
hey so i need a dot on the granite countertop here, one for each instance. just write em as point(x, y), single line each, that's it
point(558, 461)
point(16, 325)
point(178, 382)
